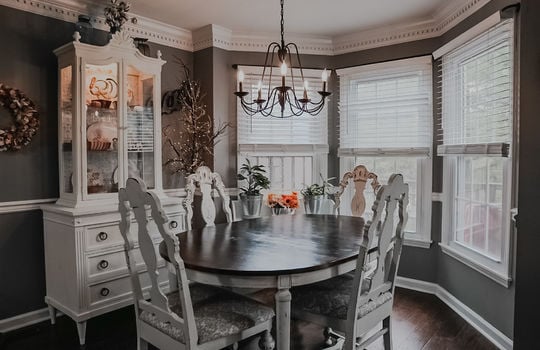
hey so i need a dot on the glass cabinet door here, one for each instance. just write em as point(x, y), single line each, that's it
point(101, 102)
point(140, 125)
point(66, 133)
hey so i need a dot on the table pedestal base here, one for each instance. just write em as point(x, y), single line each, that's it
point(283, 318)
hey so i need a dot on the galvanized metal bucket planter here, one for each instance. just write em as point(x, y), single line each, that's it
point(251, 205)
point(314, 204)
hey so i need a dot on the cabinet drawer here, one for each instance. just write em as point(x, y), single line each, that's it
point(106, 266)
point(104, 236)
point(121, 288)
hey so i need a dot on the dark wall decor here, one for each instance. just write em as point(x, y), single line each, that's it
point(196, 138)
point(26, 116)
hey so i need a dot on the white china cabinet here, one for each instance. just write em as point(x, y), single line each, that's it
point(109, 130)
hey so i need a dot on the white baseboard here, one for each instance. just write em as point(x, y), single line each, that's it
point(27, 319)
point(480, 324)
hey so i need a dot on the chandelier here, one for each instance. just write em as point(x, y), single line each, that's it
point(281, 101)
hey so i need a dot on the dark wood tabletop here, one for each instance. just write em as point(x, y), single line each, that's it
point(274, 245)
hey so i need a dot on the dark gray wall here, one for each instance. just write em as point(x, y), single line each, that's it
point(527, 307)
point(28, 63)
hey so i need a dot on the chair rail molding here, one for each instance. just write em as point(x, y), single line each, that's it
point(475, 320)
point(27, 205)
point(442, 19)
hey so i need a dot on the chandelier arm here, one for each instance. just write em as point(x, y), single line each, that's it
point(292, 70)
point(271, 47)
point(297, 57)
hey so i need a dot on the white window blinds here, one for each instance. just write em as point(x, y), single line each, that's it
point(386, 108)
point(477, 93)
point(301, 130)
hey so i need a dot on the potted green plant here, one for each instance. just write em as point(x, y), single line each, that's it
point(315, 194)
point(256, 180)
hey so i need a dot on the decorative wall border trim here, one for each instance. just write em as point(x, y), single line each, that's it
point(475, 320)
point(157, 32)
point(445, 18)
point(18, 206)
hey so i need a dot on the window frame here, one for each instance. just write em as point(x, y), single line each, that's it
point(499, 270)
point(422, 237)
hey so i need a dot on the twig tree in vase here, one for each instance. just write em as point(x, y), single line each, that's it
point(192, 141)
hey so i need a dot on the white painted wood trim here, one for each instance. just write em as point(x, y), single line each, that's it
point(384, 152)
point(18, 206)
point(475, 320)
point(499, 149)
point(446, 17)
point(468, 35)
point(455, 253)
point(415, 242)
point(26, 319)
point(181, 192)
point(437, 197)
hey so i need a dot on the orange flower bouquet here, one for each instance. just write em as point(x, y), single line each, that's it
point(283, 203)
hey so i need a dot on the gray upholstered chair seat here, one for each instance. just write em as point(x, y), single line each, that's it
point(218, 313)
point(331, 297)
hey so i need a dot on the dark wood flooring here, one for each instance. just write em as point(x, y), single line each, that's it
point(421, 322)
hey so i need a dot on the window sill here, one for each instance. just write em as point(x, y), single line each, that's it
point(418, 243)
point(489, 272)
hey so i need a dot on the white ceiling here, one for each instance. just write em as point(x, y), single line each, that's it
point(308, 17)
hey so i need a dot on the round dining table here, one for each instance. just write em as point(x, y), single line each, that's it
point(278, 252)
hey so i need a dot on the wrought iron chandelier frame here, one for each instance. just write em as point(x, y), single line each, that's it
point(283, 95)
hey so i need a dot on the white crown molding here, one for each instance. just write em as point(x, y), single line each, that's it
point(69, 11)
point(216, 36)
point(444, 18)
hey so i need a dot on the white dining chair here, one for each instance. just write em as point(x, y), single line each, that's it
point(206, 180)
point(356, 305)
point(359, 177)
point(194, 316)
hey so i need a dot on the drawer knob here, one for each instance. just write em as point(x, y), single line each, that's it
point(103, 264)
point(102, 236)
point(104, 292)
point(174, 224)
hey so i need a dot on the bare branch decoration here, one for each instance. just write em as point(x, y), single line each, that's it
point(194, 141)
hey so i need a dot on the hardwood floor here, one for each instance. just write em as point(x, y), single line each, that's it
point(421, 322)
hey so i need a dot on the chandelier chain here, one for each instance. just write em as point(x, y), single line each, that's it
point(282, 26)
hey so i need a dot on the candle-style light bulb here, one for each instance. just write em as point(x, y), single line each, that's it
point(306, 87)
point(283, 73)
point(240, 79)
point(324, 78)
point(259, 90)
point(284, 69)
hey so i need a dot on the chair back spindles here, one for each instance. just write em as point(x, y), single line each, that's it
point(360, 175)
point(135, 198)
point(205, 179)
point(389, 237)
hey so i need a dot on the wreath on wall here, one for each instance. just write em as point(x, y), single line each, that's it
point(26, 117)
